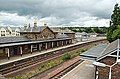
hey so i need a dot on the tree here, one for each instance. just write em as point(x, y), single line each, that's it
point(113, 31)
point(116, 33)
point(88, 30)
point(96, 30)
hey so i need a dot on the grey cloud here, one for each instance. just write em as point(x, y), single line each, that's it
point(67, 10)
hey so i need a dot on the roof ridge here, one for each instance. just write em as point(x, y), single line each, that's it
point(118, 42)
point(103, 52)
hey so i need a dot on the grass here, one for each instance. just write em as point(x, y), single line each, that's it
point(49, 64)
point(66, 57)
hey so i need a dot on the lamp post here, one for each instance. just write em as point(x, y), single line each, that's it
point(104, 65)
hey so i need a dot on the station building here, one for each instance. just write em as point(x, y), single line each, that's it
point(14, 46)
point(44, 32)
point(32, 39)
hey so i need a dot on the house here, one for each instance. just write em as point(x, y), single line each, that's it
point(9, 31)
point(93, 34)
point(105, 58)
point(3, 32)
point(83, 36)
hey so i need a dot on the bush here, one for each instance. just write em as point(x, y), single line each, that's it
point(66, 57)
point(83, 50)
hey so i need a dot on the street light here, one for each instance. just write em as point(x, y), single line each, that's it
point(104, 65)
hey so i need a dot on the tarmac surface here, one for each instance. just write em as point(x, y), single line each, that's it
point(85, 70)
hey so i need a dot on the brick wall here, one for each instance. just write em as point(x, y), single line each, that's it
point(104, 71)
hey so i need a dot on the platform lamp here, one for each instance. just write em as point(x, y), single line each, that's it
point(104, 65)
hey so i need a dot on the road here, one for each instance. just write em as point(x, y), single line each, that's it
point(83, 71)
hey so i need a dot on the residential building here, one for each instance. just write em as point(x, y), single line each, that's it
point(9, 31)
point(93, 35)
point(83, 36)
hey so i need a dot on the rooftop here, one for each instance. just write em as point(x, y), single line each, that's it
point(101, 51)
point(30, 42)
point(60, 30)
point(13, 39)
point(94, 52)
point(109, 49)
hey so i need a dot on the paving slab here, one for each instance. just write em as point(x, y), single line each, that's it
point(83, 71)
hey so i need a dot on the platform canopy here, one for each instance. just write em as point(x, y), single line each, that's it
point(94, 52)
point(110, 49)
point(101, 51)
point(16, 43)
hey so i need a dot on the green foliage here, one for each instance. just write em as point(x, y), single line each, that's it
point(114, 30)
point(66, 57)
point(88, 30)
point(83, 50)
point(116, 34)
point(18, 77)
point(101, 30)
point(96, 30)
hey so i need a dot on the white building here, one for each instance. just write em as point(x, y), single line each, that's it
point(93, 34)
point(9, 31)
point(81, 36)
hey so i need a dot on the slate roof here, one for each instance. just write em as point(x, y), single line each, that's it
point(13, 39)
point(62, 36)
point(33, 29)
point(101, 51)
point(14, 28)
point(30, 42)
point(94, 52)
point(110, 48)
point(4, 28)
point(40, 28)
point(57, 29)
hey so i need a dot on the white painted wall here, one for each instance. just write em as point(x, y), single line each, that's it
point(11, 32)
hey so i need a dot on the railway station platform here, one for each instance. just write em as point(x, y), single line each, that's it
point(17, 58)
point(85, 70)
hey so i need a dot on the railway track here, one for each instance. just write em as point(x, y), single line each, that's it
point(64, 71)
point(58, 71)
point(32, 61)
point(22, 64)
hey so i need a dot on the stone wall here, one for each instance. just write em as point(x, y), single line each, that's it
point(47, 33)
point(44, 34)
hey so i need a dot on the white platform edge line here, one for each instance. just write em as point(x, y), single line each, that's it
point(72, 70)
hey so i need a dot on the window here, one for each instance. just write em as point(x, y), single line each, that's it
point(13, 30)
point(2, 34)
point(2, 31)
point(17, 34)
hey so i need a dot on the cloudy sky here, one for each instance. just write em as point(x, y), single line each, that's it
point(56, 12)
